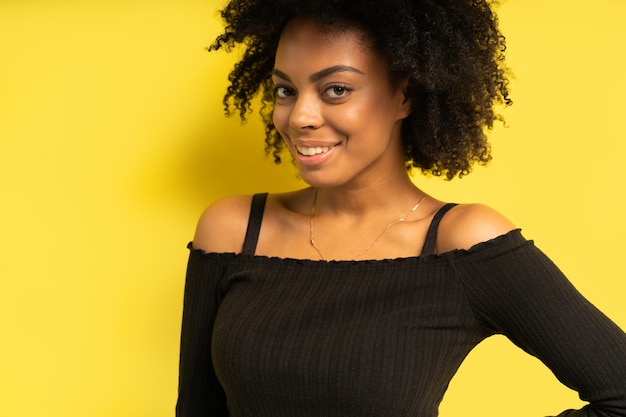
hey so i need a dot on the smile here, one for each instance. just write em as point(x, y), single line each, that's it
point(311, 151)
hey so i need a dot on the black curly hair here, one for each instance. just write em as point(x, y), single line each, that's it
point(451, 51)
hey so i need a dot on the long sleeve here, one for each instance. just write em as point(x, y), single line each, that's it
point(199, 392)
point(523, 295)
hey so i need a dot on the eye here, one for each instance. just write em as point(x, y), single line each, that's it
point(280, 91)
point(336, 91)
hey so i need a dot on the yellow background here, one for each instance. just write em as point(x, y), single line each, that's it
point(112, 141)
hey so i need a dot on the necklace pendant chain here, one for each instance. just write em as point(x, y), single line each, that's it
point(368, 247)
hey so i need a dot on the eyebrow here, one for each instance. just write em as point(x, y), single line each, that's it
point(321, 74)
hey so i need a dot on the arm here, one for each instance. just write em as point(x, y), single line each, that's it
point(517, 291)
point(221, 229)
point(199, 391)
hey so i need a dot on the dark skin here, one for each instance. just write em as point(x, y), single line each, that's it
point(341, 118)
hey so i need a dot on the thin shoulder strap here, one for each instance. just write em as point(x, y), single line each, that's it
point(254, 223)
point(431, 236)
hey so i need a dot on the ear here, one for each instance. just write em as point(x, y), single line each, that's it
point(406, 106)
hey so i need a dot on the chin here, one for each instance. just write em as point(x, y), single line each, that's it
point(320, 180)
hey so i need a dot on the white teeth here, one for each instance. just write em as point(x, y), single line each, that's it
point(310, 151)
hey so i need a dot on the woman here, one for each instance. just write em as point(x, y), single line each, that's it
point(361, 295)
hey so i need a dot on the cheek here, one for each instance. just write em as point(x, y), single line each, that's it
point(359, 116)
point(280, 117)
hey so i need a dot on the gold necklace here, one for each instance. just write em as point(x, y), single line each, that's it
point(319, 252)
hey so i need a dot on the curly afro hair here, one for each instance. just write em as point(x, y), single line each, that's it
point(451, 51)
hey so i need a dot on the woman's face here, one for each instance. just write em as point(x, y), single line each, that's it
point(335, 106)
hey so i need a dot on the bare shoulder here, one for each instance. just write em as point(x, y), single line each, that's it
point(466, 225)
point(222, 225)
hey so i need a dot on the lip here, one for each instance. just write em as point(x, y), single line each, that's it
point(310, 154)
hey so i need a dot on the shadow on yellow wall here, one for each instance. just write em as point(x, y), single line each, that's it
point(112, 141)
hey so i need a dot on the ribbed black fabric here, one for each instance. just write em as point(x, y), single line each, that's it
point(269, 337)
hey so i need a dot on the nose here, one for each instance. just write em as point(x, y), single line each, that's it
point(306, 112)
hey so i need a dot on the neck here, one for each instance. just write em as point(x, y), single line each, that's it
point(362, 219)
point(374, 197)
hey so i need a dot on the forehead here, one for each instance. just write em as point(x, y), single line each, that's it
point(304, 40)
